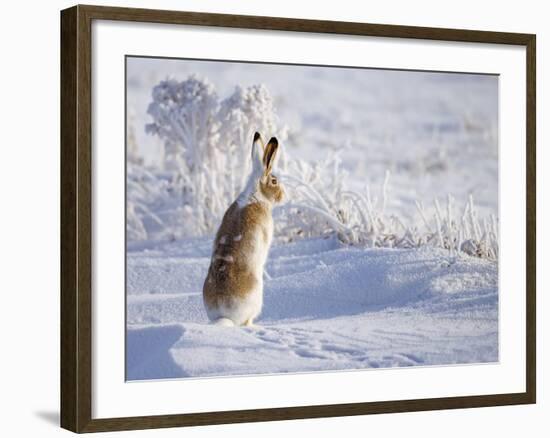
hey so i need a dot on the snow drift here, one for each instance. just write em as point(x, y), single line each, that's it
point(327, 306)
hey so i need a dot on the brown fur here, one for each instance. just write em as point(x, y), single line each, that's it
point(270, 151)
point(230, 274)
point(270, 188)
point(269, 184)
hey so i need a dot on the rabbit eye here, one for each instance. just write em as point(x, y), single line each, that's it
point(274, 181)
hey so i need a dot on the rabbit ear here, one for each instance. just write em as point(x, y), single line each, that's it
point(270, 153)
point(257, 153)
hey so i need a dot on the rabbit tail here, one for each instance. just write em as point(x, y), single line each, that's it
point(224, 322)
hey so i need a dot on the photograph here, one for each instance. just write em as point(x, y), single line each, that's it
point(293, 218)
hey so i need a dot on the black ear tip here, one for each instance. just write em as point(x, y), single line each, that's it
point(274, 141)
point(256, 136)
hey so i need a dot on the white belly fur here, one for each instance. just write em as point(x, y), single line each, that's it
point(239, 310)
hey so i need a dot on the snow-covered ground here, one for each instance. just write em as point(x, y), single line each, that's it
point(329, 306)
point(326, 307)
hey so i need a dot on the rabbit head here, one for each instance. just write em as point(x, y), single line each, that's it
point(263, 159)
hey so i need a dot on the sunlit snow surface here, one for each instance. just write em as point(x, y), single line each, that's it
point(328, 306)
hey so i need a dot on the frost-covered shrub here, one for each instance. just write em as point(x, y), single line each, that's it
point(148, 196)
point(206, 154)
point(246, 111)
point(132, 150)
point(322, 205)
point(185, 117)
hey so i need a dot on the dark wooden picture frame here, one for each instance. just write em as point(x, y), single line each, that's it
point(76, 218)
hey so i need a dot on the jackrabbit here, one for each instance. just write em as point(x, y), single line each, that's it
point(233, 288)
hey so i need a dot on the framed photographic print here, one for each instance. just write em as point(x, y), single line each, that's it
point(270, 218)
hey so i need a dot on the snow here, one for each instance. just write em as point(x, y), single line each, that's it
point(327, 306)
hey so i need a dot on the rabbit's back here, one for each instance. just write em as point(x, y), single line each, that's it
point(233, 286)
